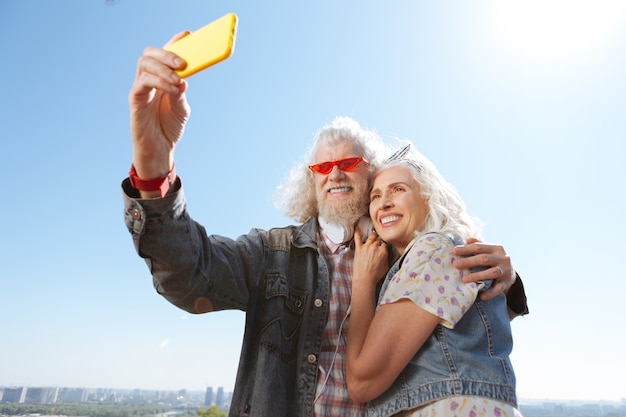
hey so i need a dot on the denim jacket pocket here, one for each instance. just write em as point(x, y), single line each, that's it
point(282, 315)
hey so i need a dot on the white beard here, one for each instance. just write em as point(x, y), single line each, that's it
point(348, 213)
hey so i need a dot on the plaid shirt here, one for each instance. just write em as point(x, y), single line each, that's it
point(332, 398)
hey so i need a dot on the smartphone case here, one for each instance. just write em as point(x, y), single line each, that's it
point(206, 46)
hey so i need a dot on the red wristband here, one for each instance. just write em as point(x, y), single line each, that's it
point(154, 184)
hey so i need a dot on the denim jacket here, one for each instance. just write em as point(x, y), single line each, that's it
point(471, 359)
point(276, 276)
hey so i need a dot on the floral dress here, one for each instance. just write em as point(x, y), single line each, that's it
point(428, 278)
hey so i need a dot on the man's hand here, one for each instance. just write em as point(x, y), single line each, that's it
point(492, 256)
point(158, 110)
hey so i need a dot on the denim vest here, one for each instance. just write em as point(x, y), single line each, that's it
point(471, 359)
point(277, 277)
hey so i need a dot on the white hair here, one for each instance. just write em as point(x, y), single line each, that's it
point(296, 197)
point(447, 213)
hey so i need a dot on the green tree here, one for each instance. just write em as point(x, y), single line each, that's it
point(212, 411)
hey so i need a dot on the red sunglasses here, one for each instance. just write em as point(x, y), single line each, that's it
point(348, 164)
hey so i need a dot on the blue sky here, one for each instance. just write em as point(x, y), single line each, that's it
point(520, 105)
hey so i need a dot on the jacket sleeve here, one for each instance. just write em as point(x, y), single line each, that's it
point(516, 298)
point(196, 272)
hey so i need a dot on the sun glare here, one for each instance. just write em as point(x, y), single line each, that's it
point(550, 33)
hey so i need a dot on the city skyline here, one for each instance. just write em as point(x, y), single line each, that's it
point(52, 395)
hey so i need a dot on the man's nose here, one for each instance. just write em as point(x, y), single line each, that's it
point(335, 173)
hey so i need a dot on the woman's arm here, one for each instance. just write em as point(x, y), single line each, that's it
point(380, 345)
point(377, 355)
point(370, 265)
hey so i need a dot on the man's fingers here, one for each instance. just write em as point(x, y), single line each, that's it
point(478, 248)
point(153, 74)
point(159, 61)
point(498, 271)
point(476, 260)
point(494, 272)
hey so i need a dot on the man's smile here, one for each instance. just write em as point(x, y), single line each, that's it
point(339, 190)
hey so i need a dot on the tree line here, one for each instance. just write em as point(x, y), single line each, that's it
point(88, 410)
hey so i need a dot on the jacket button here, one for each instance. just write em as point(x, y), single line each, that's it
point(312, 358)
point(318, 303)
point(135, 214)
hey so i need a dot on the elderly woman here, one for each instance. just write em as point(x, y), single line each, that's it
point(431, 347)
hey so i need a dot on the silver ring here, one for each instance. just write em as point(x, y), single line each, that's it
point(500, 272)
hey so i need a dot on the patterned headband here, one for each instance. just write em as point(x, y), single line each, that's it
point(400, 155)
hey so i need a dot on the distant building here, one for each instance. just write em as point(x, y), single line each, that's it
point(14, 395)
point(73, 395)
point(208, 396)
point(36, 396)
point(219, 399)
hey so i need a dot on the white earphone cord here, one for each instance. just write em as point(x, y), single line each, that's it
point(332, 362)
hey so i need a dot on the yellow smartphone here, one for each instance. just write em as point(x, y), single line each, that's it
point(206, 46)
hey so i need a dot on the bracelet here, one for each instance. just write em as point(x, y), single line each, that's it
point(153, 184)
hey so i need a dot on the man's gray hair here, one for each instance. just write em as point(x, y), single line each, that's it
point(296, 197)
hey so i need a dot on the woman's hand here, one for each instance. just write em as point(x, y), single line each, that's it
point(370, 259)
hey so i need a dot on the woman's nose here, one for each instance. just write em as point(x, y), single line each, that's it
point(386, 201)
